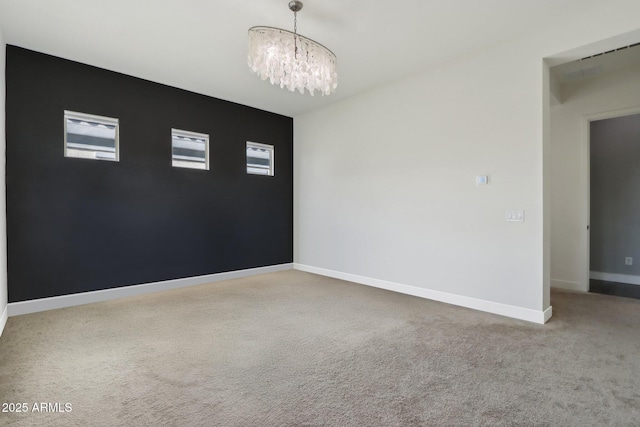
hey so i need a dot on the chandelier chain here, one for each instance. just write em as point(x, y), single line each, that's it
point(295, 34)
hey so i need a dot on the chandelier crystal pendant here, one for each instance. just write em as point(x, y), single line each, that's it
point(291, 60)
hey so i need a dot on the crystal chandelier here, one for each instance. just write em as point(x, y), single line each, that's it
point(291, 60)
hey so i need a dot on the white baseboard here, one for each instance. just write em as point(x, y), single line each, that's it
point(613, 277)
point(3, 319)
point(566, 284)
point(43, 304)
point(474, 303)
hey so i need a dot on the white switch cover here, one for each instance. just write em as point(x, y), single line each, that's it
point(514, 216)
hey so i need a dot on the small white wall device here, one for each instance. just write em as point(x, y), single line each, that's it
point(514, 216)
point(482, 180)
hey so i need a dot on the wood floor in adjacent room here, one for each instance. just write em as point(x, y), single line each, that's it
point(292, 348)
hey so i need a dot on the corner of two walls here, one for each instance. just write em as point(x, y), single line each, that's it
point(3, 223)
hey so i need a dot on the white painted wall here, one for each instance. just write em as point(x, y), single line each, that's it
point(3, 210)
point(384, 181)
point(612, 94)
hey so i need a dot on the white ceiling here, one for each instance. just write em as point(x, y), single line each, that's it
point(200, 45)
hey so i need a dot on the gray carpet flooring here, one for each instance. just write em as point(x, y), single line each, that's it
point(296, 349)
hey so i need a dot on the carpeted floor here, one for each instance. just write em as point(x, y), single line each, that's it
point(296, 349)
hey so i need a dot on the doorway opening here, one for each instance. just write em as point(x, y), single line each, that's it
point(614, 205)
point(582, 88)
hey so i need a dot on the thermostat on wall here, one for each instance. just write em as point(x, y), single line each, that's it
point(482, 179)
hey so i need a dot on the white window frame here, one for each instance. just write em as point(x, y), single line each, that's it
point(190, 134)
point(272, 157)
point(110, 121)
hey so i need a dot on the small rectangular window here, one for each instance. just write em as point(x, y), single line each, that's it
point(189, 149)
point(87, 136)
point(260, 159)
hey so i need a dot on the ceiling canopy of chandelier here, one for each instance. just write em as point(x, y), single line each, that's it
point(291, 60)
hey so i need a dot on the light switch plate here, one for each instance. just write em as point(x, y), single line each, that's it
point(514, 216)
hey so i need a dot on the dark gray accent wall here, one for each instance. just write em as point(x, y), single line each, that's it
point(76, 225)
point(615, 195)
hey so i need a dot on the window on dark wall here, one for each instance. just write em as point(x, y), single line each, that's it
point(260, 159)
point(189, 149)
point(87, 136)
